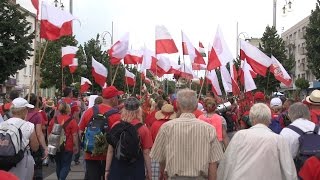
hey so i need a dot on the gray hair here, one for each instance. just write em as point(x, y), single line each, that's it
point(187, 100)
point(298, 110)
point(260, 113)
point(19, 112)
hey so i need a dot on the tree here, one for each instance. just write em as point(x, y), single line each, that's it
point(313, 41)
point(273, 45)
point(15, 39)
point(302, 84)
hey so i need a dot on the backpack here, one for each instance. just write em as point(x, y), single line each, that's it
point(309, 145)
point(125, 140)
point(63, 138)
point(275, 125)
point(96, 131)
point(230, 123)
point(11, 152)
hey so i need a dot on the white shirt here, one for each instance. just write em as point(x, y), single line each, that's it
point(1, 119)
point(292, 137)
point(257, 153)
point(27, 128)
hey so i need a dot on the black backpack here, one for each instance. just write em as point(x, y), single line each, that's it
point(309, 145)
point(230, 123)
point(125, 140)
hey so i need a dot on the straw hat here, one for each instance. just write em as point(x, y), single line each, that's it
point(166, 112)
point(314, 98)
point(50, 103)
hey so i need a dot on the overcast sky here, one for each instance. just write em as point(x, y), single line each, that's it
point(198, 19)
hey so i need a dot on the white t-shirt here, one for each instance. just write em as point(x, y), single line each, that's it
point(27, 128)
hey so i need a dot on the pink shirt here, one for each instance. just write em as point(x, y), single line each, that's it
point(215, 121)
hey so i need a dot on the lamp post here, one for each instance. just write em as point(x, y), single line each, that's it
point(286, 8)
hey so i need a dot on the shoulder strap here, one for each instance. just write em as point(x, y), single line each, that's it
point(295, 129)
point(95, 110)
point(137, 126)
point(111, 112)
point(316, 129)
point(67, 122)
point(33, 115)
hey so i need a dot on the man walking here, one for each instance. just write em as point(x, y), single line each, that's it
point(186, 147)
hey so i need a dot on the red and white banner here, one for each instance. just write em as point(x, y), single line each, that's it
point(279, 72)
point(55, 22)
point(73, 67)
point(99, 72)
point(130, 78)
point(186, 72)
point(213, 79)
point(164, 41)
point(189, 49)
point(119, 50)
point(133, 57)
point(256, 58)
point(226, 79)
point(163, 65)
point(249, 83)
point(85, 85)
point(68, 54)
point(220, 54)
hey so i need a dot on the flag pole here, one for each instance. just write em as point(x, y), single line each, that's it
point(135, 81)
point(205, 74)
point(61, 78)
point(115, 74)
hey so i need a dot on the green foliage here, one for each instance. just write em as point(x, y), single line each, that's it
point(302, 84)
point(313, 41)
point(15, 39)
point(272, 44)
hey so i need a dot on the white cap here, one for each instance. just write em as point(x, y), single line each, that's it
point(275, 102)
point(20, 103)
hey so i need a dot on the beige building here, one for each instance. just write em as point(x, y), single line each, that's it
point(295, 47)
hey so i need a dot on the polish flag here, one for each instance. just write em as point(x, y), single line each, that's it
point(256, 58)
point(73, 67)
point(119, 50)
point(279, 72)
point(164, 41)
point(85, 85)
point(149, 60)
point(99, 72)
point(145, 78)
point(68, 54)
point(202, 50)
point(186, 72)
point(175, 67)
point(130, 78)
point(226, 79)
point(234, 79)
point(188, 49)
point(241, 72)
point(133, 57)
point(35, 4)
point(220, 54)
point(213, 79)
point(55, 22)
point(163, 65)
point(249, 83)
point(198, 67)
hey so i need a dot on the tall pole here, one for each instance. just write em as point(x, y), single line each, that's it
point(275, 13)
point(237, 45)
point(71, 6)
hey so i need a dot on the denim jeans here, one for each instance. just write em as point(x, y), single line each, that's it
point(63, 163)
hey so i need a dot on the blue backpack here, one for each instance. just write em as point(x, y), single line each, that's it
point(275, 125)
point(97, 128)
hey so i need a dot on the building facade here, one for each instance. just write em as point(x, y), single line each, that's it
point(296, 48)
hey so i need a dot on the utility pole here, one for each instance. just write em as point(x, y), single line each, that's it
point(275, 13)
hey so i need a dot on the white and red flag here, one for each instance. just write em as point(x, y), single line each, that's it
point(189, 49)
point(163, 65)
point(241, 72)
point(149, 60)
point(133, 57)
point(119, 50)
point(202, 51)
point(220, 54)
point(279, 72)
point(249, 83)
point(198, 67)
point(130, 78)
point(35, 4)
point(73, 67)
point(234, 79)
point(55, 22)
point(175, 67)
point(213, 79)
point(256, 58)
point(226, 79)
point(186, 72)
point(68, 54)
point(84, 85)
point(99, 72)
point(164, 41)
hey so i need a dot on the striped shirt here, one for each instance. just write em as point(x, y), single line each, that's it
point(187, 146)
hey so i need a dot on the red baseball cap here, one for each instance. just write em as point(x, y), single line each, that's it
point(259, 96)
point(110, 92)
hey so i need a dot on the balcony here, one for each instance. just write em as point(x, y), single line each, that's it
point(10, 82)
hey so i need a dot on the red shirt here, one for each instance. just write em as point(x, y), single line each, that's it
point(86, 119)
point(311, 169)
point(150, 119)
point(197, 113)
point(155, 128)
point(144, 133)
point(5, 107)
point(71, 128)
point(315, 115)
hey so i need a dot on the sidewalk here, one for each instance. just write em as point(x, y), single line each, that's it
point(76, 173)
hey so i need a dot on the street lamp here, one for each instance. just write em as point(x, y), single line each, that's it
point(103, 35)
point(286, 8)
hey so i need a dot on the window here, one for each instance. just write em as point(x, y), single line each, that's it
point(30, 70)
point(298, 76)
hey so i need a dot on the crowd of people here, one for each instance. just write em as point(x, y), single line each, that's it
point(182, 136)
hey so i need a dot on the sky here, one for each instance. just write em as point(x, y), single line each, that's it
point(197, 19)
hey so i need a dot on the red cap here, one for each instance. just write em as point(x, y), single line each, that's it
point(259, 96)
point(7, 175)
point(110, 92)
